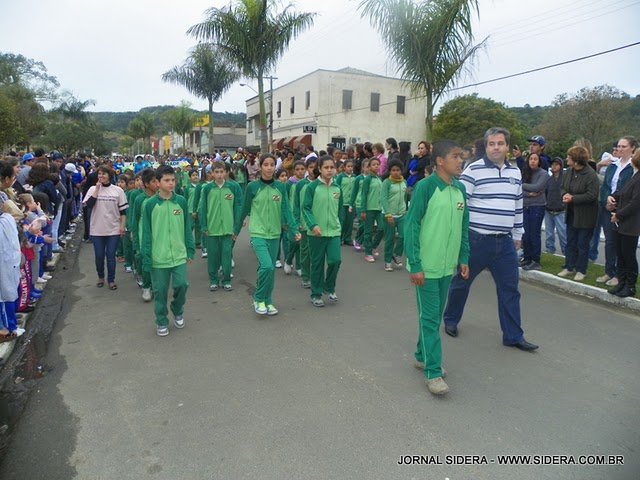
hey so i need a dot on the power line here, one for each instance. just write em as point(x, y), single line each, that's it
point(513, 75)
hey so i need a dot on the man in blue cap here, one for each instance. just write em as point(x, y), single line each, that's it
point(27, 163)
point(536, 145)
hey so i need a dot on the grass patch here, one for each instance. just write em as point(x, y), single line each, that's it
point(553, 264)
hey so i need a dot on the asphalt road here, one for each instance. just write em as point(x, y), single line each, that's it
point(324, 393)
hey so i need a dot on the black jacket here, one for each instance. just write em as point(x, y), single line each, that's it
point(584, 185)
point(628, 207)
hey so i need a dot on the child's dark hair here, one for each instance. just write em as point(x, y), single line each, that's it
point(264, 156)
point(298, 162)
point(321, 161)
point(395, 163)
point(147, 175)
point(441, 149)
point(279, 172)
point(348, 161)
point(217, 165)
point(164, 170)
point(310, 161)
point(229, 169)
point(41, 198)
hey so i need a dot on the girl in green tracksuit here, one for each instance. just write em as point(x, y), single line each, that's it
point(167, 246)
point(394, 207)
point(356, 204)
point(299, 170)
point(372, 211)
point(437, 243)
point(220, 204)
point(322, 208)
point(345, 181)
point(305, 258)
point(266, 201)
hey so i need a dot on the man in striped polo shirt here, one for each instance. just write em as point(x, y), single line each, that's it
point(494, 198)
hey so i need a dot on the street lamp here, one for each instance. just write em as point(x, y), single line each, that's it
point(246, 85)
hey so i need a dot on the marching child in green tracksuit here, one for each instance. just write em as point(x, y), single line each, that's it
point(207, 177)
point(345, 181)
point(372, 211)
point(138, 190)
point(127, 246)
point(322, 208)
point(167, 247)
point(188, 193)
point(283, 247)
point(150, 183)
point(266, 202)
point(437, 243)
point(220, 205)
point(356, 204)
point(394, 207)
point(305, 258)
point(299, 170)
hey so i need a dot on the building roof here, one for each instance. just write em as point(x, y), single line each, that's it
point(355, 71)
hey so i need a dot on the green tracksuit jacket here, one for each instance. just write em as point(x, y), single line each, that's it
point(346, 183)
point(136, 219)
point(268, 206)
point(132, 199)
point(322, 206)
point(438, 218)
point(166, 239)
point(356, 194)
point(297, 207)
point(219, 207)
point(392, 197)
point(371, 187)
point(189, 191)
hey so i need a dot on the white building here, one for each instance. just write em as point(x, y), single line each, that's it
point(342, 107)
point(226, 136)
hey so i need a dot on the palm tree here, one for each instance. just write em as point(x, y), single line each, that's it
point(181, 120)
point(431, 43)
point(253, 36)
point(74, 109)
point(142, 126)
point(206, 75)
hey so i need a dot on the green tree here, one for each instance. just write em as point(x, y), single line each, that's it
point(10, 129)
point(601, 115)
point(253, 35)
point(142, 127)
point(430, 41)
point(466, 118)
point(181, 120)
point(31, 74)
point(206, 74)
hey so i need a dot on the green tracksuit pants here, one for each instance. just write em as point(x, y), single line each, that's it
point(324, 249)
point(432, 298)
point(267, 253)
point(393, 246)
point(294, 249)
point(161, 278)
point(305, 257)
point(347, 225)
point(371, 239)
point(127, 247)
point(283, 245)
point(219, 248)
point(360, 232)
point(197, 233)
point(146, 276)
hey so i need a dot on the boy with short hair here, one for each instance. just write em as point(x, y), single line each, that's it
point(394, 208)
point(150, 183)
point(127, 245)
point(346, 181)
point(220, 204)
point(167, 246)
point(305, 255)
point(299, 169)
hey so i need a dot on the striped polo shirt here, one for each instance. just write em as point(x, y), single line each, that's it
point(494, 197)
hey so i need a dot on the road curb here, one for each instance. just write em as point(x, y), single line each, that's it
point(580, 289)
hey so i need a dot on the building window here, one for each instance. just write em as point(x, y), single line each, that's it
point(293, 105)
point(307, 100)
point(375, 102)
point(400, 104)
point(279, 110)
point(250, 125)
point(347, 97)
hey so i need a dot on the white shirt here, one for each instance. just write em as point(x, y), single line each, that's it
point(616, 175)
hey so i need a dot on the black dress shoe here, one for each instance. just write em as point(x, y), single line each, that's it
point(522, 345)
point(451, 331)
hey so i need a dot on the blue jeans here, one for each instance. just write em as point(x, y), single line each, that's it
point(105, 246)
point(498, 254)
point(555, 222)
point(531, 241)
point(577, 253)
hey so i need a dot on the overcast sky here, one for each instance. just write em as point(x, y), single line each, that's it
point(115, 51)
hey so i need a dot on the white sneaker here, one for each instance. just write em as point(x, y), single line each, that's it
point(271, 310)
point(233, 263)
point(612, 282)
point(213, 287)
point(579, 277)
point(287, 269)
point(41, 280)
point(565, 273)
point(278, 264)
point(179, 321)
point(299, 272)
point(146, 294)
point(603, 279)
point(204, 253)
point(19, 332)
point(128, 269)
point(388, 267)
point(332, 297)
point(260, 308)
point(162, 331)
point(437, 385)
point(46, 277)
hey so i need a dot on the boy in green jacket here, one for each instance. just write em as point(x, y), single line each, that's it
point(372, 211)
point(167, 246)
point(356, 204)
point(437, 244)
point(150, 183)
point(299, 170)
point(207, 177)
point(220, 205)
point(305, 258)
point(394, 207)
point(346, 181)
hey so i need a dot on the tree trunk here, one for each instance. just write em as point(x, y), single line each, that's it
point(429, 118)
point(264, 137)
point(210, 125)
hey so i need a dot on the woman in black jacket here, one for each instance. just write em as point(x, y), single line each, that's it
point(625, 204)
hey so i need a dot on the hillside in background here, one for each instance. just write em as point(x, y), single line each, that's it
point(118, 121)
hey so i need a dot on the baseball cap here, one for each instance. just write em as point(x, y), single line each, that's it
point(558, 160)
point(538, 139)
point(28, 156)
point(70, 167)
